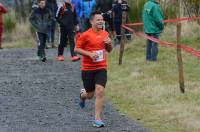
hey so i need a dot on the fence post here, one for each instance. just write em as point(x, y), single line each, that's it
point(122, 42)
point(179, 55)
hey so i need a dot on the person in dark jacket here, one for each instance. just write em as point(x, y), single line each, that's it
point(52, 5)
point(66, 17)
point(153, 26)
point(3, 10)
point(119, 6)
point(105, 6)
point(41, 18)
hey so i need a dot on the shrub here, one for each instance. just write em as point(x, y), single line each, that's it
point(10, 21)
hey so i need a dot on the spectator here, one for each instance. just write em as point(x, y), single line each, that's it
point(153, 26)
point(66, 17)
point(41, 18)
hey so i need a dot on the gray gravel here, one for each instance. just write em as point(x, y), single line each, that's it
point(43, 97)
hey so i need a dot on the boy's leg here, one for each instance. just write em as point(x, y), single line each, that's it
point(42, 37)
point(118, 31)
point(148, 50)
point(40, 41)
point(70, 35)
point(63, 40)
point(100, 81)
point(155, 48)
point(99, 104)
point(53, 29)
point(87, 95)
point(89, 85)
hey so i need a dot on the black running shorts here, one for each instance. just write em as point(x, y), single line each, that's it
point(92, 78)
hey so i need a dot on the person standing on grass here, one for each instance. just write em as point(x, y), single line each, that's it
point(66, 17)
point(93, 45)
point(153, 26)
point(3, 10)
point(41, 19)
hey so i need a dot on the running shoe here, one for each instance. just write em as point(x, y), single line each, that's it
point(42, 58)
point(98, 123)
point(75, 58)
point(60, 58)
point(82, 101)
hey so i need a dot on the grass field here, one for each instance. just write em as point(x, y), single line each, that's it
point(149, 92)
point(21, 37)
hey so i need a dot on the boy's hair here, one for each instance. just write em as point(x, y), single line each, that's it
point(95, 13)
point(40, 1)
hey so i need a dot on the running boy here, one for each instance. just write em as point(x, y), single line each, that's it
point(93, 45)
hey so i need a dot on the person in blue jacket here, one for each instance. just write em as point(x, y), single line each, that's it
point(85, 7)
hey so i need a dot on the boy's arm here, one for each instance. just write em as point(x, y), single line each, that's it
point(50, 17)
point(80, 48)
point(108, 44)
point(32, 19)
point(58, 15)
point(92, 55)
point(158, 17)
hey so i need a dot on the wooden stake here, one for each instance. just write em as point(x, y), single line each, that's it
point(179, 55)
point(122, 42)
point(179, 58)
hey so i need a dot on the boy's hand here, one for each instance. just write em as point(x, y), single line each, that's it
point(108, 40)
point(108, 43)
point(93, 55)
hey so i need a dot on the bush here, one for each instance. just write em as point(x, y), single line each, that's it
point(10, 21)
point(136, 8)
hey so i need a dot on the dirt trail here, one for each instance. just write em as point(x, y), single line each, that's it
point(43, 97)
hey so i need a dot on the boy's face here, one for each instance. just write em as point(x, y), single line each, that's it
point(97, 22)
point(42, 4)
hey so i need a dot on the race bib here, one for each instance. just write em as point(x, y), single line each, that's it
point(100, 56)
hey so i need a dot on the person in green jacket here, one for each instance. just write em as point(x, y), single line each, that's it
point(153, 26)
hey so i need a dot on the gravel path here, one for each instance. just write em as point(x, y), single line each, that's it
point(43, 97)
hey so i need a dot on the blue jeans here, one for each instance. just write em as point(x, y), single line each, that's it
point(152, 48)
point(51, 32)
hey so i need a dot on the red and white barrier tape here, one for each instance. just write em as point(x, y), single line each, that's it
point(168, 21)
point(188, 49)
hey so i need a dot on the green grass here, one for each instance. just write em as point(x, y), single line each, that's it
point(149, 92)
point(20, 37)
point(26, 43)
